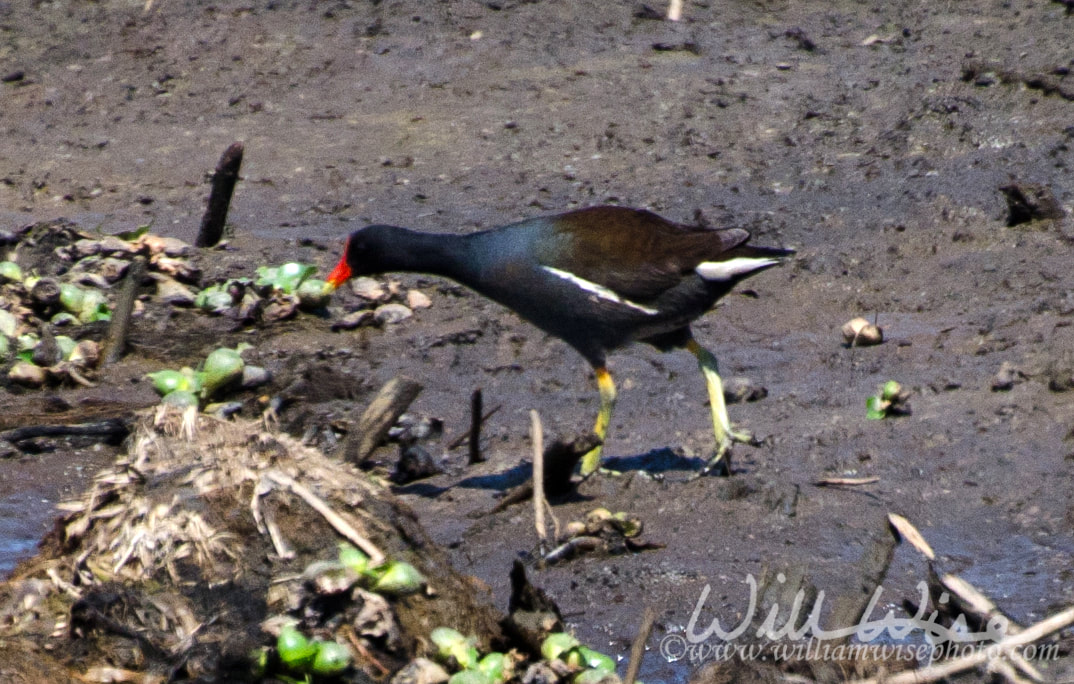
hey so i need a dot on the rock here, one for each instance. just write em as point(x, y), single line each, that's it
point(112, 269)
point(111, 244)
point(1028, 202)
point(1061, 379)
point(249, 309)
point(45, 295)
point(169, 246)
point(47, 352)
point(84, 248)
point(255, 376)
point(391, 313)
point(859, 332)
point(8, 323)
point(173, 292)
point(179, 269)
point(415, 463)
point(368, 288)
point(1006, 377)
point(540, 673)
point(420, 671)
point(27, 374)
point(353, 320)
point(85, 355)
point(740, 389)
point(280, 307)
point(416, 299)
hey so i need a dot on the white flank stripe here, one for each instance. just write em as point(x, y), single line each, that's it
point(599, 290)
point(727, 270)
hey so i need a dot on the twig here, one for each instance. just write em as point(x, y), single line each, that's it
point(223, 185)
point(376, 556)
point(367, 657)
point(121, 315)
point(970, 599)
point(537, 437)
point(845, 481)
point(1001, 648)
point(637, 649)
point(475, 426)
point(908, 532)
point(390, 403)
point(279, 542)
point(113, 427)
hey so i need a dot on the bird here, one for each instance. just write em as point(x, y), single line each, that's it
point(599, 278)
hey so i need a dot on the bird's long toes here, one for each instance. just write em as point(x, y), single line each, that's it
point(743, 437)
point(720, 463)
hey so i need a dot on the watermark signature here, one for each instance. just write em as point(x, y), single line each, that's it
point(789, 637)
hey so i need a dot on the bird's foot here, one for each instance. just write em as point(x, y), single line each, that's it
point(742, 437)
point(720, 463)
point(591, 460)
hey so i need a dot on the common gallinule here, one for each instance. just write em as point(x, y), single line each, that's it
point(597, 278)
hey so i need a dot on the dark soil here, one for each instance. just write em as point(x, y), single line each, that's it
point(872, 137)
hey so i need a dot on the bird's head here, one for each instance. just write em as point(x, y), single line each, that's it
point(362, 255)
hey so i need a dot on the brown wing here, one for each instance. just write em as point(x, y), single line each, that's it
point(635, 253)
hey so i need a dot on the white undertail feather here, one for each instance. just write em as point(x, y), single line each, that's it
point(732, 268)
point(599, 290)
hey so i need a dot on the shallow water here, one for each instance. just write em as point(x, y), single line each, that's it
point(30, 488)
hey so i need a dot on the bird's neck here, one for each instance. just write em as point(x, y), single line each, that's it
point(441, 254)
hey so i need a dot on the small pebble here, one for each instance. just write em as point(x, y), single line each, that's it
point(391, 313)
point(416, 299)
point(740, 389)
point(173, 292)
point(859, 332)
point(368, 288)
point(1006, 377)
point(353, 320)
point(27, 374)
point(420, 671)
point(255, 376)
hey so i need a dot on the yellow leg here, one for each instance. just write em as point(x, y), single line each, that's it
point(721, 424)
point(591, 461)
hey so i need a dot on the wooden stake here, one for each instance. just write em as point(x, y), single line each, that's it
point(475, 427)
point(390, 403)
point(223, 185)
point(121, 315)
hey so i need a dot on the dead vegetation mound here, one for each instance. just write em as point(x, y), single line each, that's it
point(174, 564)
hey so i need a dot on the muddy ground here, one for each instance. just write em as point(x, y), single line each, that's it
point(871, 137)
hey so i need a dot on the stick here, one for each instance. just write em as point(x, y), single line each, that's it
point(390, 403)
point(908, 532)
point(845, 481)
point(113, 427)
point(674, 14)
point(637, 649)
point(475, 427)
point(940, 671)
point(969, 599)
point(223, 185)
point(537, 436)
point(121, 315)
point(376, 556)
